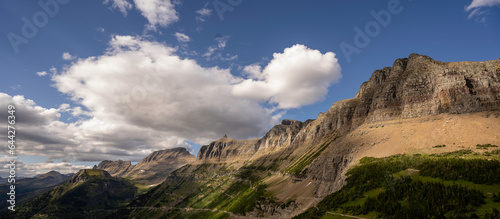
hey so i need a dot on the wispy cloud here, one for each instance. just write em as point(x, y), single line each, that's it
point(482, 3)
point(203, 13)
point(221, 44)
point(15, 87)
point(478, 8)
point(183, 38)
point(122, 5)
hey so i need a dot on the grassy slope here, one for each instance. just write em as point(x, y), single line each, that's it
point(79, 200)
point(375, 176)
point(217, 192)
point(299, 166)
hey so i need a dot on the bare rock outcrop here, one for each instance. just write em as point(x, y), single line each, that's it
point(230, 150)
point(115, 168)
point(227, 150)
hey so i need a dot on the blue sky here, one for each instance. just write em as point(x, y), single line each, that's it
point(68, 125)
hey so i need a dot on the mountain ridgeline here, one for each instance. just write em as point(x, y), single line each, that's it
point(151, 170)
point(409, 108)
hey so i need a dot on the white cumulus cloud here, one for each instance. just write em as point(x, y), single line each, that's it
point(155, 89)
point(41, 73)
point(158, 12)
point(89, 139)
point(299, 76)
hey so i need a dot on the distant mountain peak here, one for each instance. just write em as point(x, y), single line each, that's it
point(86, 174)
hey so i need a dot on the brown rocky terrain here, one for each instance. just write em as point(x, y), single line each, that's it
point(151, 170)
point(227, 150)
point(115, 168)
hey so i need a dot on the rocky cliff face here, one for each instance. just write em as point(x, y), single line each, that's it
point(152, 169)
point(227, 150)
point(230, 150)
point(281, 135)
point(419, 86)
point(416, 86)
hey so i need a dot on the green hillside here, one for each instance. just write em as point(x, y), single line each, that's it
point(205, 191)
point(459, 184)
point(89, 194)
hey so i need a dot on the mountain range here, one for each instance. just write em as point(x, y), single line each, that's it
point(419, 106)
point(151, 170)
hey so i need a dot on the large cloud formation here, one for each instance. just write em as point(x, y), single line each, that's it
point(145, 85)
point(40, 132)
point(298, 76)
point(139, 97)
